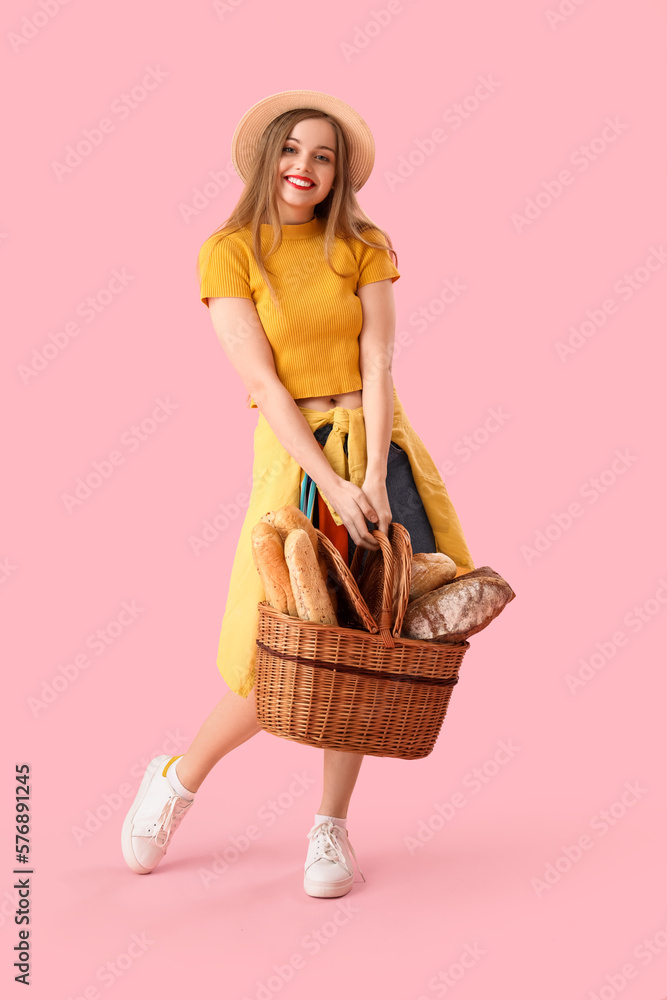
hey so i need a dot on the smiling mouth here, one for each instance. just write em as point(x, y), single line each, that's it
point(302, 187)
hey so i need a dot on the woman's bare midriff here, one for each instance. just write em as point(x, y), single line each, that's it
point(348, 400)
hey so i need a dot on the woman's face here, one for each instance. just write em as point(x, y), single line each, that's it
point(308, 154)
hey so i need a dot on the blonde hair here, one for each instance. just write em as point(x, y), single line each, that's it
point(340, 209)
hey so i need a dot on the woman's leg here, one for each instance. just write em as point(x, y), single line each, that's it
point(340, 775)
point(328, 870)
point(159, 807)
point(231, 723)
point(340, 768)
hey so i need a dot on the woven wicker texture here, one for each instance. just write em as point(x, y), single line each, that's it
point(357, 686)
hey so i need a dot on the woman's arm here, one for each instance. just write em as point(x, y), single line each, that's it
point(242, 336)
point(376, 348)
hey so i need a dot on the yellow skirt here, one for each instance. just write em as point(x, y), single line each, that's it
point(276, 481)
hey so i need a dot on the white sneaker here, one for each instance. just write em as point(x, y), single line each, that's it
point(153, 818)
point(328, 870)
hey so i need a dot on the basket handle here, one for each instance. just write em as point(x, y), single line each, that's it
point(383, 619)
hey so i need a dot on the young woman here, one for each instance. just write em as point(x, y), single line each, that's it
point(298, 283)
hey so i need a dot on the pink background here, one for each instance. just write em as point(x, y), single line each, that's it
point(596, 590)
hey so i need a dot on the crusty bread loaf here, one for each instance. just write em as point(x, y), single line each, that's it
point(481, 571)
point(458, 609)
point(310, 592)
point(286, 518)
point(269, 557)
point(429, 571)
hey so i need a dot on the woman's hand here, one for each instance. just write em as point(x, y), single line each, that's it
point(354, 507)
point(375, 490)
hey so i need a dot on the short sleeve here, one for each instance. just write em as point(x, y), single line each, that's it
point(223, 270)
point(374, 264)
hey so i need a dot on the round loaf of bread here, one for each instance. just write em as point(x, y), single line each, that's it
point(429, 571)
point(458, 609)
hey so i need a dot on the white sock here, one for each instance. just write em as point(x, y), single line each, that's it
point(172, 777)
point(320, 818)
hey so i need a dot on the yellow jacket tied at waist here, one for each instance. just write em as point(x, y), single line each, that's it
point(277, 482)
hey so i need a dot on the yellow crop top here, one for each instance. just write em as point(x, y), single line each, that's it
point(315, 336)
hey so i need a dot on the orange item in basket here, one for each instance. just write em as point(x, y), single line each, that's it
point(336, 533)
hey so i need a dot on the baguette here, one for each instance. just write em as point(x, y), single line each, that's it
point(269, 557)
point(310, 592)
point(284, 520)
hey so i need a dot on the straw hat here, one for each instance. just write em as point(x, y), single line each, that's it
point(357, 133)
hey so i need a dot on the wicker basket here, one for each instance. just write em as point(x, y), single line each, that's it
point(357, 686)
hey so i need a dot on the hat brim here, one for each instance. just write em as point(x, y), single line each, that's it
point(361, 145)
